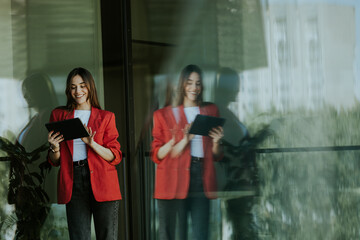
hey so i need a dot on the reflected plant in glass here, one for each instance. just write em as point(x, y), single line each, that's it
point(26, 189)
point(237, 172)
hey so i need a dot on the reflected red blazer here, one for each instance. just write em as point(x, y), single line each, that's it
point(103, 175)
point(173, 174)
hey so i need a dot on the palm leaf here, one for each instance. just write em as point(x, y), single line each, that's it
point(5, 159)
point(37, 176)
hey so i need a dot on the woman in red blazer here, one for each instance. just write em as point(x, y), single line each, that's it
point(185, 173)
point(88, 182)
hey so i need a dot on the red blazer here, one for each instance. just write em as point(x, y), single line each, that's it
point(103, 175)
point(173, 174)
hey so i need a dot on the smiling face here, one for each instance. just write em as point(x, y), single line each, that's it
point(192, 88)
point(80, 93)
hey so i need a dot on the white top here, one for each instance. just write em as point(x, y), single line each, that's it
point(196, 146)
point(79, 148)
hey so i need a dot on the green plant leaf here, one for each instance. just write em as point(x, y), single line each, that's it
point(29, 181)
point(42, 195)
point(5, 159)
point(40, 149)
point(37, 176)
point(44, 166)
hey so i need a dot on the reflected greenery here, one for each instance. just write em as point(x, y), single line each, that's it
point(242, 172)
point(310, 194)
point(242, 175)
point(26, 190)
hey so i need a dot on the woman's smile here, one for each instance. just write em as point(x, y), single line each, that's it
point(192, 89)
point(80, 92)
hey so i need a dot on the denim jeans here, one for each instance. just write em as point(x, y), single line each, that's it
point(83, 206)
point(168, 215)
point(196, 205)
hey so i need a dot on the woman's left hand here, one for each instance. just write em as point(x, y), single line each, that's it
point(102, 151)
point(90, 139)
point(216, 134)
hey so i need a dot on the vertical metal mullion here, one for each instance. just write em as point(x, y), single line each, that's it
point(129, 110)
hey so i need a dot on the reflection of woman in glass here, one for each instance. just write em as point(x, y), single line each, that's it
point(185, 174)
point(31, 212)
point(88, 181)
point(237, 170)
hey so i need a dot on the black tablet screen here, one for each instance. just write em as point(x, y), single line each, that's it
point(203, 124)
point(70, 128)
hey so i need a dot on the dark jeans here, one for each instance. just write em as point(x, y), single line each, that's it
point(168, 215)
point(83, 205)
point(196, 205)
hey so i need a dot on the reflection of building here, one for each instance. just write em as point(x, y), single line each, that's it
point(308, 45)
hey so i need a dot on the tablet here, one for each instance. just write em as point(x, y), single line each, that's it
point(70, 128)
point(203, 124)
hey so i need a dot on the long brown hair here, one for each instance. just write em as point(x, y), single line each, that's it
point(184, 75)
point(90, 84)
point(39, 88)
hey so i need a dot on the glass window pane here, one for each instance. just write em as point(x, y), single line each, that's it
point(41, 41)
point(284, 75)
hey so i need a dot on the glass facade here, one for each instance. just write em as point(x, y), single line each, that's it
point(284, 74)
point(41, 41)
